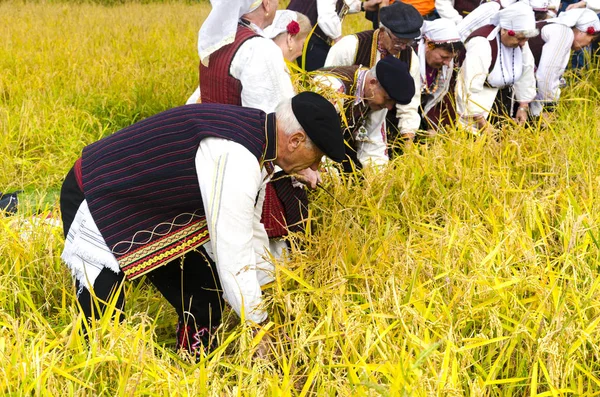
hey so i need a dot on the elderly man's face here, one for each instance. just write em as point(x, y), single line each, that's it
point(295, 152)
point(393, 44)
point(375, 96)
point(518, 40)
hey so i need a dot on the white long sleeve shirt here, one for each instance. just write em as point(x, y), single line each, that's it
point(473, 96)
point(447, 11)
point(343, 53)
point(593, 5)
point(328, 19)
point(556, 52)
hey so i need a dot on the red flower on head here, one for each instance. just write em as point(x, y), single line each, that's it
point(591, 30)
point(293, 28)
point(510, 32)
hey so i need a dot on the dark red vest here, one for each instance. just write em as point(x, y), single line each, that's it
point(464, 7)
point(216, 84)
point(484, 31)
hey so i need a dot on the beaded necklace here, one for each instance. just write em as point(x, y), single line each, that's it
point(502, 67)
point(435, 85)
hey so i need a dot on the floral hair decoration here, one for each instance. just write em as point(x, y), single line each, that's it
point(591, 30)
point(293, 28)
point(511, 32)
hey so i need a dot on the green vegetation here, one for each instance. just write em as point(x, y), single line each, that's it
point(471, 268)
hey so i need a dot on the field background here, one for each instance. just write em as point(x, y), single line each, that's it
point(471, 268)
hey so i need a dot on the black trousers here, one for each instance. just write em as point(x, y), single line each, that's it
point(190, 284)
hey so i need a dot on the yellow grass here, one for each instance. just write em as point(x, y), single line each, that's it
point(469, 268)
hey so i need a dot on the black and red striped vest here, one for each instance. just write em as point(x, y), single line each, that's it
point(216, 84)
point(141, 183)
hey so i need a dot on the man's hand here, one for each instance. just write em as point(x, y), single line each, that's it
point(264, 345)
point(309, 177)
point(581, 4)
point(372, 5)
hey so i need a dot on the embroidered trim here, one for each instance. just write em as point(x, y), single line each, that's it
point(165, 249)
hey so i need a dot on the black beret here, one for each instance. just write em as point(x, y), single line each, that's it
point(394, 77)
point(402, 19)
point(321, 123)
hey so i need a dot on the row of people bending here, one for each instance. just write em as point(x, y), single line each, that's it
point(449, 74)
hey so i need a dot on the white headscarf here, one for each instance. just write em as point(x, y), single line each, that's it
point(518, 17)
point(279, 25)
point(220, 26)
point(537, 5)
point(441, 30)
point(581, 18)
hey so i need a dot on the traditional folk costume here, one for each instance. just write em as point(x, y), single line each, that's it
point(435, 83)
point(251, 72)
point(365, 49)
point(327, 15)
point(552, 51)
point(365, 132)
point(364, 128)
point(489, 66)
point(177, 196)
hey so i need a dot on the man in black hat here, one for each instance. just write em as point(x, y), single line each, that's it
point(177, 196)
point(400, 26)
point(364, 96)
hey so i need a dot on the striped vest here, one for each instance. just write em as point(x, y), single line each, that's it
point(141, 183)
point(216, 84)
point(355, 114)
point(366, 51)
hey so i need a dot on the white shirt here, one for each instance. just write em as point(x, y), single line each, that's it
point(556, 53)
point(343, 53)
point(446, 10)
point(593, 5)
point(477, 18)
point(328, 19)
point(371, 149)
point(232, 187)
point(473, 97)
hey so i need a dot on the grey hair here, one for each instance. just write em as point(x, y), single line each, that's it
point(287, 121)
point(528, 33)
point(373, 72)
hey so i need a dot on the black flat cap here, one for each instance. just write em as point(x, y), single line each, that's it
point(394, 77)
point(321, 123)
point(402, 19)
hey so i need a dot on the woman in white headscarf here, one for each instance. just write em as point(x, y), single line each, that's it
point(288, 31)
point(437, 49)
point(497, 56)
point(571, 30)
point(238, 65)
